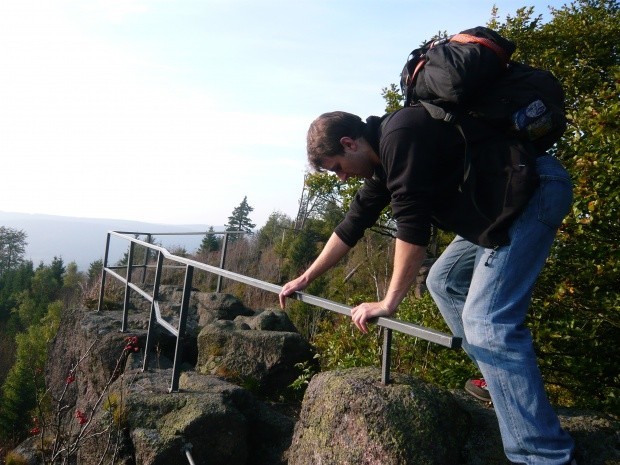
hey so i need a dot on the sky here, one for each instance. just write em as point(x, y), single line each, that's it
point(173, 111)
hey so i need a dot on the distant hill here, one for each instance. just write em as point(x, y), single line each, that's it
point(82, 240)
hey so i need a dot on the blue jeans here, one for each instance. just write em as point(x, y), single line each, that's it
point(484, 295)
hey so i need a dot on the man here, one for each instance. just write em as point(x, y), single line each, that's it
point(483, 281)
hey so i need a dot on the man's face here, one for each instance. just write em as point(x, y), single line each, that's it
point(358, 161)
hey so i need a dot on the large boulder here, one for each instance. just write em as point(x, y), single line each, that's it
point(349, 417)
point(264, 361)
point(218, 422)
point(221, 422)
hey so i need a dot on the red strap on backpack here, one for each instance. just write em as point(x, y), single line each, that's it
point(463, 39)
point(488, 43)
point(417, 69)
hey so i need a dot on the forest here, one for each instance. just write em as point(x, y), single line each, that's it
point(575, 312)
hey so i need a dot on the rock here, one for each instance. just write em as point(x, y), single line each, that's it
point(94, 338)
point(220, 423)
point(269, 320)
point(216, 306)
point(596, 435)
point(26, 453)
point(263, 361)
point(349, 417)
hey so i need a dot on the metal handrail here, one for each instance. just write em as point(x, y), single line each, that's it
point(388, 323)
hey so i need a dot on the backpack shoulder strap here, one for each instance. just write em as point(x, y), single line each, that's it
point(439, 113)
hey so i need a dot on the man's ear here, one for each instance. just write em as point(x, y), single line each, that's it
point(348, 144)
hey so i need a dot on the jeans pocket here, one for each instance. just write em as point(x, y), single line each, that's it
point(556, 197)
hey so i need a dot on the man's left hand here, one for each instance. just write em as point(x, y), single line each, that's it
point(366, 311)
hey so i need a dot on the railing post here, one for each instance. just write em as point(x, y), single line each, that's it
point(105, 265)
point(149, 237)
point(127, 288)
point(153, 318)
point(222, 261)
point(187, 448)
point(178, 352)
point(386, 357)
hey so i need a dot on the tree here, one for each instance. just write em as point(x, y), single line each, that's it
point(273, 233)
point(240, 220)
point(393, 98)
point(210, 242)
point(19, 389)
point(12, 283)
point(12, 248)
point(575, 312)
point(94, 271)
point(73, 284)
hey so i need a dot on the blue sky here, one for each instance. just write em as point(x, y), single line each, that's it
point(172, 111)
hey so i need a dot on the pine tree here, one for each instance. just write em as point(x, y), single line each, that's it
point(239, 220)
point(209, 243)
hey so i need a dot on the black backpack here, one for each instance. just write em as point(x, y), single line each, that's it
point(470, 74)
point(508, 114)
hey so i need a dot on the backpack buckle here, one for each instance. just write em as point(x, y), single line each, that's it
point(449, 117)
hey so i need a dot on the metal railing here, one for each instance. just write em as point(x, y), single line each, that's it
point(389, 324)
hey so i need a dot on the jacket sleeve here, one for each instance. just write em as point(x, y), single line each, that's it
point(364, 211)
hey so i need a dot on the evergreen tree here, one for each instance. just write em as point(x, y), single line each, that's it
point(94, 271)
point(210, 242)
point(240, 220)
point(18, 393)
point(12, 283)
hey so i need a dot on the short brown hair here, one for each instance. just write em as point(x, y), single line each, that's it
point(325, 133)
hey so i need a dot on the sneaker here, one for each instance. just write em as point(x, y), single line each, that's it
point(478, 389)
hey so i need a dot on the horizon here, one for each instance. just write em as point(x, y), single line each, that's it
point(82, 240)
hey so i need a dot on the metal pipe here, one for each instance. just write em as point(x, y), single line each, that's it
point(127, 286)
point(103, 272)
point(386, 357)
point(187, 447)
point(178, 351)
point(154, 308)
point(218, 288)
point(149, 237)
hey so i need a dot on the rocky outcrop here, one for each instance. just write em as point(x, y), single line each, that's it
point(349, 417)
point(220, 423)
point(237, 363)
point(137, 419)
point(260, 352)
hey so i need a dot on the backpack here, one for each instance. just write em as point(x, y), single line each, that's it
point(507, 113)
point(470, 74)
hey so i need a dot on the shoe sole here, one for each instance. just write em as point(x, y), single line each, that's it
point(479, 397)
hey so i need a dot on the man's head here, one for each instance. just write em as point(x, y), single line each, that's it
point(336, 143)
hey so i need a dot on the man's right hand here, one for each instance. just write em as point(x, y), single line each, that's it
point(291, 287)
point(333, 251)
